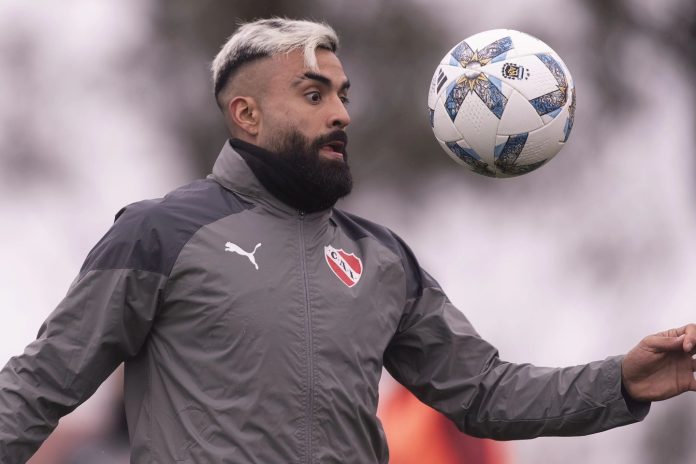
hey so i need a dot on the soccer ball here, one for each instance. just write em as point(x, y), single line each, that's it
point(501, 103)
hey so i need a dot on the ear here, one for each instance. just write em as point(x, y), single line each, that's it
point(244, 113)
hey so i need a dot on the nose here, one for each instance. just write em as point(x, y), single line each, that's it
point(339, 115)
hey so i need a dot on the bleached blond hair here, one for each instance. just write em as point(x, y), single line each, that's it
point(269, 37)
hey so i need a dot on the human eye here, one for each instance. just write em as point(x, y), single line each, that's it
point(313, 96)
point(345, 99)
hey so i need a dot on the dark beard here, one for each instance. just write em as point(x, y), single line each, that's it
point(295, 172)
point(328, 179)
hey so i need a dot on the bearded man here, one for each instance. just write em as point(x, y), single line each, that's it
point(254, 318)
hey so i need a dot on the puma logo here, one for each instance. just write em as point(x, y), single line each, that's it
point(232, 248)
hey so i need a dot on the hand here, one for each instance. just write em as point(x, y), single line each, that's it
point(661, 365)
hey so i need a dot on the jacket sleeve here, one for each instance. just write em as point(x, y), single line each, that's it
point(103, 320)
point(439, 357)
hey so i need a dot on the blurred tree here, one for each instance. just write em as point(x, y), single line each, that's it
point(389, 49)
point(669, 26)
point(25, 159)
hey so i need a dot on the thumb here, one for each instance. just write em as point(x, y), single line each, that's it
point(659, 343)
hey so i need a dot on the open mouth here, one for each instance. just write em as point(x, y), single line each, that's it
point(334, 150)
point(335, 146)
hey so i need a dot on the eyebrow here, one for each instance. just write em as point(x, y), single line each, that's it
point(322, 79)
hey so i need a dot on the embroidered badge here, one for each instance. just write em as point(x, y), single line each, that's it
point(346, 266)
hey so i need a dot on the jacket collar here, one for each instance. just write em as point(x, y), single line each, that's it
point(232, 172)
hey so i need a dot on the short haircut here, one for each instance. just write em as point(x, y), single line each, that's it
point(269, 37)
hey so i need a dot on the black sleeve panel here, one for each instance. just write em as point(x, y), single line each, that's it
point(149, 235)
point(106, 316)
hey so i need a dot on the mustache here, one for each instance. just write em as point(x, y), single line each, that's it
point(337, 135)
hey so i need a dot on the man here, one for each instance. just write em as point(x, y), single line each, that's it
point(254, 319)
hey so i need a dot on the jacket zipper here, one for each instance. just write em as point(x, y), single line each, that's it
point(310, 343)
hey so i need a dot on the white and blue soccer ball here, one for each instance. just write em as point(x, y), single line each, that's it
point(501, 103)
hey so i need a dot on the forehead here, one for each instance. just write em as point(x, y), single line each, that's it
point(288, 67)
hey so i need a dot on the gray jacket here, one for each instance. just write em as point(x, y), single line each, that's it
point(253, 333)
